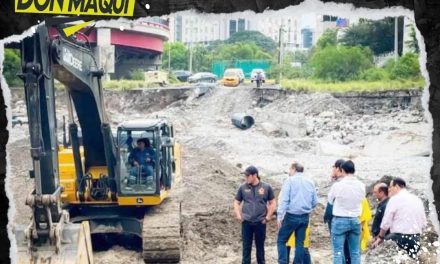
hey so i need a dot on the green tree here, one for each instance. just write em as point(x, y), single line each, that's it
point(377, 35)
point(265, 43)
point(412, 43)
point(11, 67)
point(407, 67)
point(340, 63)
point(179, 56)
point(241, 51)
point(202, 59)
point(301, 56)
point(328, 38)
point(289, 72)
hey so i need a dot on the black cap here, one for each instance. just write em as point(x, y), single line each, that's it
point(339, 163)
point(145, 140)
point(250, 171)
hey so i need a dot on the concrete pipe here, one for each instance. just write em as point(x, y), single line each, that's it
point(242, 121)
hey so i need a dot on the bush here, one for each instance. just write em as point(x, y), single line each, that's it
point(289, 72)
point(11, 67)
point(123, 84)
point(374, 74)
point(340, 63)
point(352, 86)
point(389, 65)
point(173, 79)
point(137, 75)
point(407, 67)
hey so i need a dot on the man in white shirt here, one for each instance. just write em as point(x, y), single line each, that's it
point(346, 198)
point(404, 217)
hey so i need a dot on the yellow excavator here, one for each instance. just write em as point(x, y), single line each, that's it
point(101, 183)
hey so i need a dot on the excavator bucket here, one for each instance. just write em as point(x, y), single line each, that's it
point(76, 247)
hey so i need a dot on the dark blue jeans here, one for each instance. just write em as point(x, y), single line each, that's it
point(308, 258)
point(346, 228)
point(328, 215)
point(249, 230)
point(292, 223)
point(144, 171)
point(409, 243)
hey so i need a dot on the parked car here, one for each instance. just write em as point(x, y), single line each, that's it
point(202, 77)
point(237, 71)
point(231, 78)
point(182, 75)
point(255, 72)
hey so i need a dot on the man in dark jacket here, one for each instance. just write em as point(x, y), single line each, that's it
point(380, 191)
point(143, 160)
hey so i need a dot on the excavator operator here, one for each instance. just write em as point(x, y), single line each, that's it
point(143, 159)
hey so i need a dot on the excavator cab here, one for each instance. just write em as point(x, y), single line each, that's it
point(146, 150)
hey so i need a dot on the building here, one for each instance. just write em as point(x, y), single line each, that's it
point(273, 27)
point(203, 28)
point(194, 28)
point(207, 28)
point(325, 22)
point(307, 37)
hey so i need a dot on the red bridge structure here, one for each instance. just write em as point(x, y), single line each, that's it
point(124, 46)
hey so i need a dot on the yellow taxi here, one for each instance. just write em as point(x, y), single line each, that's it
point(231, 79)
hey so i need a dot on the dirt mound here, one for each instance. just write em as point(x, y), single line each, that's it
point(309, 104)
point(389, 252)
point(117, 255)
point(212, 237)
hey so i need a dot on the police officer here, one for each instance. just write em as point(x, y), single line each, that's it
point(259, 204)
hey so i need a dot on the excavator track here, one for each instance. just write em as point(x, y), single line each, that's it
point(162, 233)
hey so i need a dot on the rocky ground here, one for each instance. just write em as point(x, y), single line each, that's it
point(315, 129)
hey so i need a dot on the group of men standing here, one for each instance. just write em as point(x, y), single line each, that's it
point(400, 217)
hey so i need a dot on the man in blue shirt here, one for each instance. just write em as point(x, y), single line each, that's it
point(143, 159)
point(297, 199)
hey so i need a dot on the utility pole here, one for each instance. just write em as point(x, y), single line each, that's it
point(396, 39)
point(280, 45)
point(169, 59)
point(288, 34)
point(190, 56)
point(191, 47)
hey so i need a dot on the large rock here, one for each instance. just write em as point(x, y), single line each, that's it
point(327, 114)
point(293, 125)
point(326, 148)
point(269, 129)
point(391, 142)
